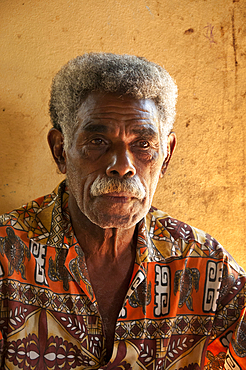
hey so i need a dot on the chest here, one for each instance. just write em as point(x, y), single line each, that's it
point(63, 327)
point(110, 283)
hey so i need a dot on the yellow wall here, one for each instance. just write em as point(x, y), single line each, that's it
point(202, 43)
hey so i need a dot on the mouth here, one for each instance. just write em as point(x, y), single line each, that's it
point(119, 197)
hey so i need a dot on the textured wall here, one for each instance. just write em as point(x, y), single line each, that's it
point(202, 43)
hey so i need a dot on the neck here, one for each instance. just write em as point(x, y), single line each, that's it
point(94, 240)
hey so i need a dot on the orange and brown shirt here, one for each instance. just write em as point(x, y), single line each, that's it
point(184, 310)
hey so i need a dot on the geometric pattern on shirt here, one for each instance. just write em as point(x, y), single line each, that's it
point(227, 316)
point(20, 218)
point(57, 270)
point(60, 224)
point(238, 343)
point(80, 343)
point(53, 345)
point(184, 282)
point(16, 251)
point(73, 304)
point(28, 294)
point(215, 362)
point(170, 239)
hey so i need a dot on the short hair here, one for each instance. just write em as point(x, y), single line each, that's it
point(110, 73)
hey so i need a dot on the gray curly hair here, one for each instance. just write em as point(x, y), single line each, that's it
point(112, 73)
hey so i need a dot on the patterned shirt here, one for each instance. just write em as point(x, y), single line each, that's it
point(185, 306)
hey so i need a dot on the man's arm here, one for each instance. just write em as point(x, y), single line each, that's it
point(227, 348)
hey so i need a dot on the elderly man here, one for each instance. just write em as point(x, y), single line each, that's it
point(92, 276)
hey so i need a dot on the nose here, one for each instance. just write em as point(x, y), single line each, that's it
point(121, 164)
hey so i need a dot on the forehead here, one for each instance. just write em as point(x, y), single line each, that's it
point(112, 108)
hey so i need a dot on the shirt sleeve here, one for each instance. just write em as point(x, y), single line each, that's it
point(236, 353)
point(227, 347)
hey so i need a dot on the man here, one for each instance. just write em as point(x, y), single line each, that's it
point(92, 276)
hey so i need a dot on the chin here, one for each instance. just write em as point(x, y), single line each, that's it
point(115, 221)
point(124, 216)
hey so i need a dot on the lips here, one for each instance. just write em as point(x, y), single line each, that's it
point(118, 197)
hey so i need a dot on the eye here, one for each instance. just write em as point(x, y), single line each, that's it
point(143, 144)
point(97, 141)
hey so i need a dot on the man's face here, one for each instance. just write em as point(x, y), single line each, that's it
point(115, 159)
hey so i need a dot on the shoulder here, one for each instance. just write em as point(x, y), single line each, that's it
point(24, 219)
point(184, 239)
point(179, 230)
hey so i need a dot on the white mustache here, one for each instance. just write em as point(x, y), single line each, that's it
point(113, 185)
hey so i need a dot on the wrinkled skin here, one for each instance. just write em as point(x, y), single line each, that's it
point(116, 137)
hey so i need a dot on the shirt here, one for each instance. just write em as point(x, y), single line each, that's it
point(185, 306)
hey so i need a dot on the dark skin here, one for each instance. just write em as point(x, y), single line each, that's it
point(117, 137)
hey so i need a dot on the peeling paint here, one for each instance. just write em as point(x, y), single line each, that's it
point(234, 42)
point(149, 10)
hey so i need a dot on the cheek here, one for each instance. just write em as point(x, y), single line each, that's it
point(148, 158)
point(151, 166)
point(154, 176)
point(77, 168)
point(74, 178)
point(80, 181)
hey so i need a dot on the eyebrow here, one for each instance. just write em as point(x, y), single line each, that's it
point(96, 127)
point(149, 131)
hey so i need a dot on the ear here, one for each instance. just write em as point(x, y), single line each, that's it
point(56, 143)
point(171, 144)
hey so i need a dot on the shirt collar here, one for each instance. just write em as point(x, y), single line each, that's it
point(51, 225)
